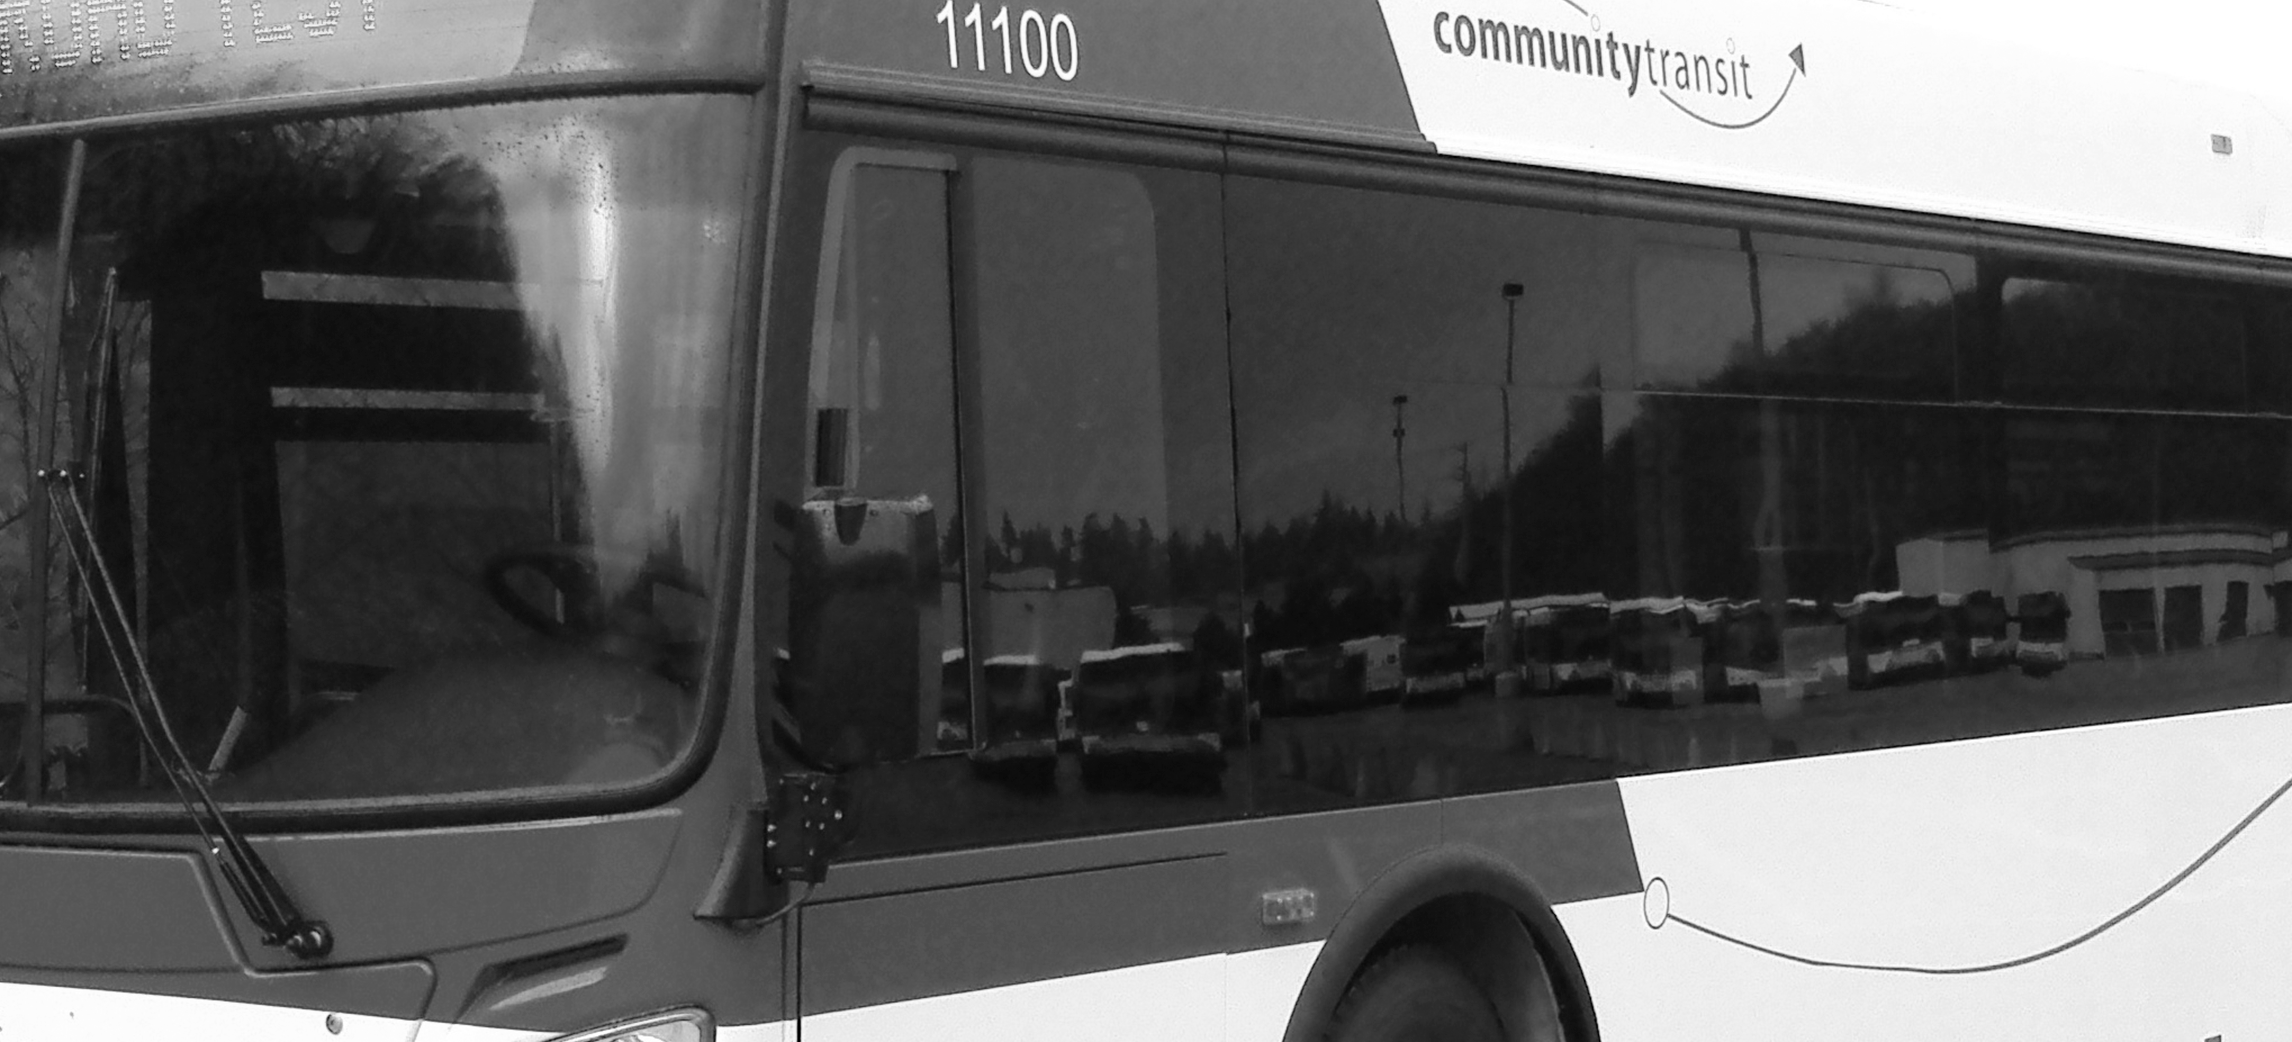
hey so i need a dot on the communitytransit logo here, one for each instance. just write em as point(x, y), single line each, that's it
point(1714, 85)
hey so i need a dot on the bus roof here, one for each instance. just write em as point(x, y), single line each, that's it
point(1822, 99)
point(145, 58)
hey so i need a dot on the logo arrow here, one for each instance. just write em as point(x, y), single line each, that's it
point(1798, 68)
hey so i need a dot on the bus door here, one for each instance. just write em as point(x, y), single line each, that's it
point(986, 638)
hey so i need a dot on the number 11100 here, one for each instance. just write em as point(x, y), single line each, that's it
point(1044, 47)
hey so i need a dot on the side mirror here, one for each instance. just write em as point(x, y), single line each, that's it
point(807, 822)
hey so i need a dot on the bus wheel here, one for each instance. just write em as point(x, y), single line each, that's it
point(1414, 993)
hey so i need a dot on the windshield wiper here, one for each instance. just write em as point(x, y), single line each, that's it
point(259, 892)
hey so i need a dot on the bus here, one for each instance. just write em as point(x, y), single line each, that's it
point(602, 520)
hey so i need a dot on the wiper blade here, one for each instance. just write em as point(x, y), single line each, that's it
point(259, 892)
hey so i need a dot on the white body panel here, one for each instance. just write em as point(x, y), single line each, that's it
point(1954, 856)
point(1156, 1002)
point(1892, 110)
point(37, 1013)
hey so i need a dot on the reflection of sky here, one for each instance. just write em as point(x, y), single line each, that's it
point(1069, 341)
point(1694, 305)
point(1342, 299)
point(614, 215)
point(1104, 375)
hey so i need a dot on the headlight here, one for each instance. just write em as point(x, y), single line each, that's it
point(676, 1025)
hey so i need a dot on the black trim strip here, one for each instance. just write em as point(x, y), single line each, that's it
point(359, 101)
point(1616, 195)
point(887, 105)
point(1073, 137)
point(891, 949)
point(827, 80)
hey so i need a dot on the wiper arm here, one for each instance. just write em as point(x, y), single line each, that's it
point(259, 892)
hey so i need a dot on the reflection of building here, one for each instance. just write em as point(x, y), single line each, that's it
point(2128, 591)
point(1056, 624)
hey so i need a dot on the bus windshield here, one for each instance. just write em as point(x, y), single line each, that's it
point(386, 452)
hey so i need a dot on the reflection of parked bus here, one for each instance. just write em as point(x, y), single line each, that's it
point(1981, 634)
point(1659, 646)
point(1746, 647)
point(1440, 664)
point(1894, 638)
point(1565, 642)
point(1149, 716)
point(1317, 679)
point(1813, 649)
point(1019, 731)
point(1379, 662)
point(2042, 645)
point(1333, 676)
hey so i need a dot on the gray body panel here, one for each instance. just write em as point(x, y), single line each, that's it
point(1324, 70)
point(158, 905)
point(907, 928)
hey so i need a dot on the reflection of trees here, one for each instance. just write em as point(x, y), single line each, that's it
point(1854, 478)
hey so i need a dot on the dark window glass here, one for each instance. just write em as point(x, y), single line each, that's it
point(31, 208)
point(1378, 287)
point(871, 627)
point(396, 448)
point(1014, 606)
point(2119, 342)
point(1729, 505)
point(1731, 321)
point(1397, 493)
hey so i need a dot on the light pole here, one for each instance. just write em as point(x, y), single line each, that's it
point(1400, 463)
point(1508, 673)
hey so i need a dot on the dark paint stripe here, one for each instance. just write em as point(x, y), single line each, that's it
point(1328, 63)
point(890, 949)
point(1573, 841)
point(908, 928)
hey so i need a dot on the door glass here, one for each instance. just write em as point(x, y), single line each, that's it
point(1014, 610)
point(879, 617)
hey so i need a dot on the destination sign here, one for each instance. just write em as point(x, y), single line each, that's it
point(38, 35)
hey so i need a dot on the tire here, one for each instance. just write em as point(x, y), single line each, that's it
point(1414, 993)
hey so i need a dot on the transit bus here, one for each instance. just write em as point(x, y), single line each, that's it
point(515, 516)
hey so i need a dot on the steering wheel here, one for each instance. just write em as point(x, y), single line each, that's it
point(625, 625)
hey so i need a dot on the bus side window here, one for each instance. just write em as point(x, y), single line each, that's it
point(1014, 612)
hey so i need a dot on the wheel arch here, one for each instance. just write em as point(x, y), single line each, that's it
point(1444, 896)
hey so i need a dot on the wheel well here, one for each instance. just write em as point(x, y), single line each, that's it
point(1481, 911)
point(1488, 939)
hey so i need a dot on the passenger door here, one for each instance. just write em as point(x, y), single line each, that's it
point(1013, 623)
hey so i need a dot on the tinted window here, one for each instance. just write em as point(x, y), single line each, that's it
point(1014, 611)
point(1396, 491)
point(1759, 322)
point(2119, 342)
point(1523, 497)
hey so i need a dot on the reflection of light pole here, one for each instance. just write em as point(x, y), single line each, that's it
point(1507, 677)
point(1400, 465)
